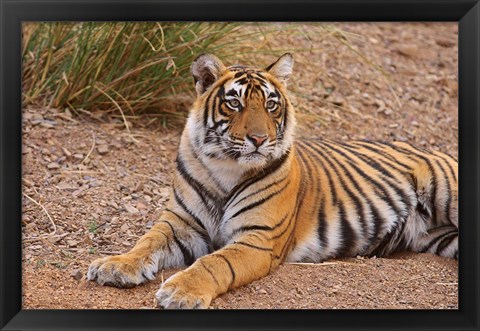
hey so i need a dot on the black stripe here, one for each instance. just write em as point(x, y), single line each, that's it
point(206, 110)
point(187, 254)
point(238, 189)
point(253, 246)
point(452, 172)
point(323, 225)
point(256, 192)
point(230, 267)
point(286, 228)
point(349, 238)
point(259, 202)
point(198, 187)
point(189, 212)
point(446, 208)
point(204, 235)
point(434, 241)
point(247, 228)
point(445, 243)
point(210, 272)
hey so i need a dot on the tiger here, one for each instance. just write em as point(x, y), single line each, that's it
point(247, 196)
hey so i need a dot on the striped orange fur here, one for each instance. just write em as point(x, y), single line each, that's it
point(247, 196)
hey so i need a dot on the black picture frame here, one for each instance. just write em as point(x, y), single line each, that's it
point(13, 12)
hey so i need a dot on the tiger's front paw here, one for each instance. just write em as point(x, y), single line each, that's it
point(184, 291)
point(123, 271)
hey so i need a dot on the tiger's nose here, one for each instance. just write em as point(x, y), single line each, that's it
point(257, 140)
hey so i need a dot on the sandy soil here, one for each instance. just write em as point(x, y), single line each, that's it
point(91, 188)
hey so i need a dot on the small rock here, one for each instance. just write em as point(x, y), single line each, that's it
point(102, 149)
point(393, 126)
point(141, 206)
point(53, 165)
point(71, 243)
point(444, 42)
point(29, 183)
point(66, 152)
point(80, 192)
point(113, 204)
point(66, 186)
point(76, 274)
point(415, 123)
point(78, 156)
point(131, 209)
point(124, 227)
point(139, 187)
point(410, 50)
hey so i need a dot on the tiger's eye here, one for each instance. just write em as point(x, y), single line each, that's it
point(234, 103)
point(271, 104)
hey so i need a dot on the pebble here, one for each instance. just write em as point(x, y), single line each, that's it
point(410, 50)
point(141, 206)
point(139, 187)
point(71, 243)
point(131, 209)
point(102, 149)
point(78, 156)
point(53, 165)
point(113, 204)
point(76, 274)
point(66, 152)
point(444, 42)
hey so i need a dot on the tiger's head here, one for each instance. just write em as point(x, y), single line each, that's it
point(241, 113)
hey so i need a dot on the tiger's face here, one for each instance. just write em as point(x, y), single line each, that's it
point(242, 114)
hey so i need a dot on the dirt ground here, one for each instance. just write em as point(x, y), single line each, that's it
point(91, 188)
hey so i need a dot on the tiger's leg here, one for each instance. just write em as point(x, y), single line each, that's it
point(244, 260)
point(172, 242)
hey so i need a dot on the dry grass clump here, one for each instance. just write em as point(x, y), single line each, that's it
point(98, 66)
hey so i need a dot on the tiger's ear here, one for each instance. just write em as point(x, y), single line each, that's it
point(206, 70)
point(282, 68)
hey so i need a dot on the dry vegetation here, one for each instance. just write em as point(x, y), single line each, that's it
point(91, 187)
